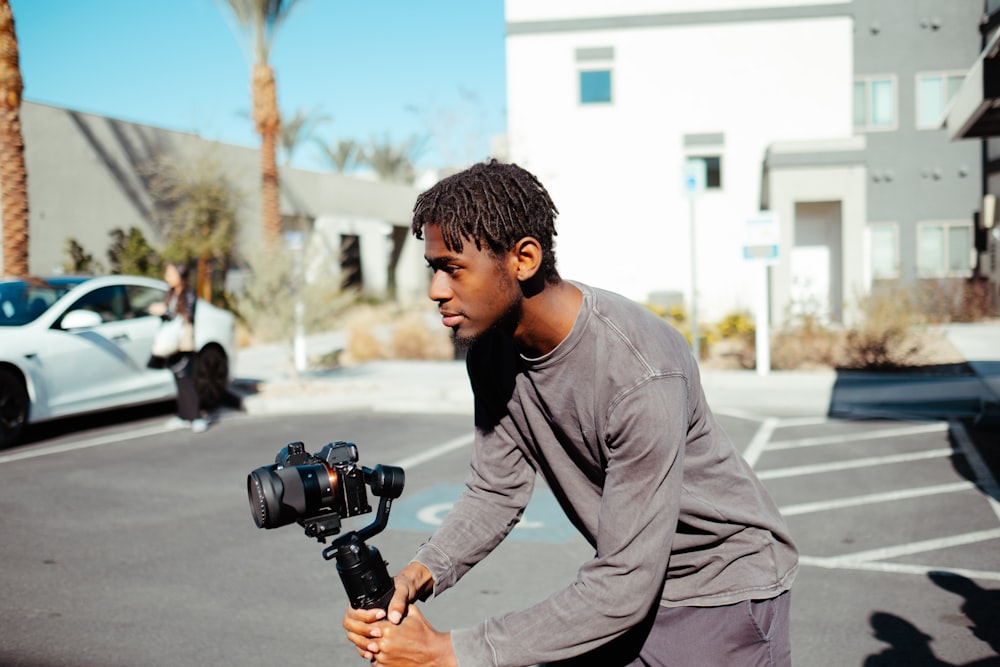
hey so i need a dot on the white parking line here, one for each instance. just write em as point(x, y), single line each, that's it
point(898, 568)
point(872, 498)
point(875, 560)
point(812, 469)
point(109, 439)
point(435, 452)
point(910, 548)
point(760, 440)
point(896, 432)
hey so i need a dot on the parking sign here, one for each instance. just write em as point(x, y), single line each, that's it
point(761, 236)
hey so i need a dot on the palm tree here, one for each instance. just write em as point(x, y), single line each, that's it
point(343, 157)
point(198, 209)
point(392, 163)
point(260, 19)
point(298, 130)
point(13, 174)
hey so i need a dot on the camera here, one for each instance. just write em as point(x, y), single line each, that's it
point(317, 491)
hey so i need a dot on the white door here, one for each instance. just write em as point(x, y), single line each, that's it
point(809, 291)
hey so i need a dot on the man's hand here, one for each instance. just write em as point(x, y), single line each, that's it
point(365, 626)
point(413, 643)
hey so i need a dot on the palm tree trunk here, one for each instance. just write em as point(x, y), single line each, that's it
point(13, 174)
point(268, 121)
point(204, 289)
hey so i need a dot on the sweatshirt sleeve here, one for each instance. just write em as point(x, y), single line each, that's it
point(498, 488)
point(637, 519)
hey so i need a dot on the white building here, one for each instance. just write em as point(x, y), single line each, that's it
point(607, 103)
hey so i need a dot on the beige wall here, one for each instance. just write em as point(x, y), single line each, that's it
point(88, 174)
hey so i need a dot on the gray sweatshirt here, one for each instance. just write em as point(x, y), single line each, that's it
point(616, 422)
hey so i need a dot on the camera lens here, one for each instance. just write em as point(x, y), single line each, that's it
point(265, 499)
point(280, 495)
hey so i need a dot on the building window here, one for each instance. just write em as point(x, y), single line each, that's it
point(944, 249)
point(875, 103)
point(883, 241)
point(595, 86)
point(594, 65)
point(934, 92)
point(713, 170)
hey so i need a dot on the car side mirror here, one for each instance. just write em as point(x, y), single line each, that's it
point(81, 319)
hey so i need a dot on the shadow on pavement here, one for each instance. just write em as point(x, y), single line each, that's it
point(949, 392)
point(980, 605)
point(908, 645)
point(944, 391)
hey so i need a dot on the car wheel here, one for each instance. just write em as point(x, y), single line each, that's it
point(13, 407)
point(211, 377)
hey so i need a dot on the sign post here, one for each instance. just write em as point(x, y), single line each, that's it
point(694, 183)
point(761, 236)
point(295, 242)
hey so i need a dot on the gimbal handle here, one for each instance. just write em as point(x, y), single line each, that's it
point(363, 572)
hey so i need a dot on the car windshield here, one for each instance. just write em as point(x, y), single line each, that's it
point(24, 301)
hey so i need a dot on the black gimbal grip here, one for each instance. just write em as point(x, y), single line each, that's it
point(364, 575)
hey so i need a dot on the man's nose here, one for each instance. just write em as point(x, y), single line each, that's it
point(438, 289)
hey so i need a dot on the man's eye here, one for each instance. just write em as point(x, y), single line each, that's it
point(449, 269)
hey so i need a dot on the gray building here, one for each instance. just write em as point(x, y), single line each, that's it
point(89, 174)
point(895, 203)
point(974, 118)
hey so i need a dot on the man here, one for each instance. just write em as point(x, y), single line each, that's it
point(693, 562)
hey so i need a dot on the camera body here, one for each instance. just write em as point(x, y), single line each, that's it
point(317, 491)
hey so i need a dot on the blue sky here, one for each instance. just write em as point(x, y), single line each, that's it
point(380, 69)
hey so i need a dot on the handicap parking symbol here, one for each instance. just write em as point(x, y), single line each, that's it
point(543, 519)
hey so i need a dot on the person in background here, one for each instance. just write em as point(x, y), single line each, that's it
point(692, 562)
point(181, 302)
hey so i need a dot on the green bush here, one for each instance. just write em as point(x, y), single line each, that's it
point(79, 261)
point(131, 254)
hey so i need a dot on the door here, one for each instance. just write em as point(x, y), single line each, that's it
point(817, 262)
point(104, 365)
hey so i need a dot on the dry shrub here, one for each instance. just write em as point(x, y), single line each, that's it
point(365, 327)
point(955, 300)
point(417, 337)
point(883, 340)
point(803, 344)
point(733, 343)
point(394, 332)
point(267, 301)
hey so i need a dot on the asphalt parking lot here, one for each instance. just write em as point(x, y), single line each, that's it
point(126, 543)
point(129, 544)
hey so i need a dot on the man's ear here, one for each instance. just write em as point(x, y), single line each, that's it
point(526, 257)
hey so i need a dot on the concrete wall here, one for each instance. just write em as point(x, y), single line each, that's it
point(90, 174)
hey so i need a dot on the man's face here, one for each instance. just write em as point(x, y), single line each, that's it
point(475, 291)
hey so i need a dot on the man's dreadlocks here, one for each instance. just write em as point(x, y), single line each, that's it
point(491, 203)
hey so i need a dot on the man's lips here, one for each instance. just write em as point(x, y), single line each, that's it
point(450, 319)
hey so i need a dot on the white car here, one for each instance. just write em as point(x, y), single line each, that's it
point(75, 345)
